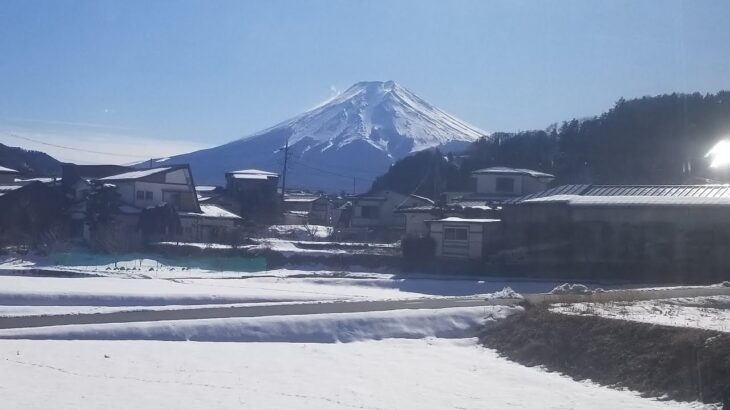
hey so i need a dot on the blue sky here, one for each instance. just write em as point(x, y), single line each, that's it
point(147, 78)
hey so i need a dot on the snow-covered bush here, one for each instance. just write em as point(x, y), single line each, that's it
point(574, 289)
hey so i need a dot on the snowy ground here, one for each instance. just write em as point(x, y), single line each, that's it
point(396, 359)
point(711, 312)
point(387, 374)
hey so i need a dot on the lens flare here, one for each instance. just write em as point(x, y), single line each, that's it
point(719, 154)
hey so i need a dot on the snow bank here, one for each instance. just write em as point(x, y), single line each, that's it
point(711, 313)
point(505, 293)
point(322, 328)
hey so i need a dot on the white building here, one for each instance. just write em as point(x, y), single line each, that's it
point(149, 187)
point(462, 238)
point(503, 182)
point(172, 185)
point(378, 209)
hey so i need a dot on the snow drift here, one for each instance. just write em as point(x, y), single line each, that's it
point(322, 328)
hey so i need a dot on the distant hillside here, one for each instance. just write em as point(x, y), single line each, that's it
point(33, 163)
point(650, 140)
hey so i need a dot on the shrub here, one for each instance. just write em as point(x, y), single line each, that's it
point(418, 250)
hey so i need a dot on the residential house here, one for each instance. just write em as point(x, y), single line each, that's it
point(76, 183)
point(377, 210)
point(173, 185)
point(491, 187)
point(463, 238)
point(148, 187)
point(312, 209)
point(498, 183)
point(668, 230)
point(252, 194)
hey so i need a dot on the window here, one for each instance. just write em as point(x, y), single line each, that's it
point(456, 234)
point(370, 212)
point(505, 184)
point(148, 195)
point(140, 195)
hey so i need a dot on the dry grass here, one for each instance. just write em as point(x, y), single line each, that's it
point(679, 363)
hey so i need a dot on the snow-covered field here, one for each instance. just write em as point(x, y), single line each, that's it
point(132, 282)
point(403, 358)
point(712, 312)
point(388, 374)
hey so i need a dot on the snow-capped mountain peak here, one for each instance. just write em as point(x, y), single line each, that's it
point(354, 136)
point(377, 105)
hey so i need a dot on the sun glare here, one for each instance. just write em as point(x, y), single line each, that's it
point(719, 154)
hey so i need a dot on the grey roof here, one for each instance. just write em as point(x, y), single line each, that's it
point(695, 191)
point(513, 171)
point(132, 175)
point(415, 209)
point(576, 189)
point(632, 194)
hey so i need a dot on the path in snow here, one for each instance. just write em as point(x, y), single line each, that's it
point(246, 311)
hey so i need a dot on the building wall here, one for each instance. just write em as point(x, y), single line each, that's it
point(478, 235)
point(160, 193)
point(416, 225)
point(671, 241)
point(386, 218)
point(208, 230)
point(523, 184)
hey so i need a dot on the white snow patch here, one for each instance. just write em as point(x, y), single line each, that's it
point(712, 313)
point(574, 289)
point(319, 328)
point(303, 232)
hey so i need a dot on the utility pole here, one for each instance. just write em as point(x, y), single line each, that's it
point(354, 179)
point(283, 173)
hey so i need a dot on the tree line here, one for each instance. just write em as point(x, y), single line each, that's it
point(650, 140)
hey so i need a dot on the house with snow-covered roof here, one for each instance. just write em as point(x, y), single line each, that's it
point(252, 194)
point(498, 183)
point(463, 238)
point(377, 211)
point(307, 208)
point(141, 189)
point(632, 229)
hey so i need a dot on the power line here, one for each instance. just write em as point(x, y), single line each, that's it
point(74, 149)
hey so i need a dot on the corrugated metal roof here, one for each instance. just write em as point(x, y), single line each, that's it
point(628, 200)
point(513, 171)
point(576, 189)
point(666, 191)
point(694, 191)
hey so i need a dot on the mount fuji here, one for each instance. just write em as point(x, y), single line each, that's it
point(350, 139)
